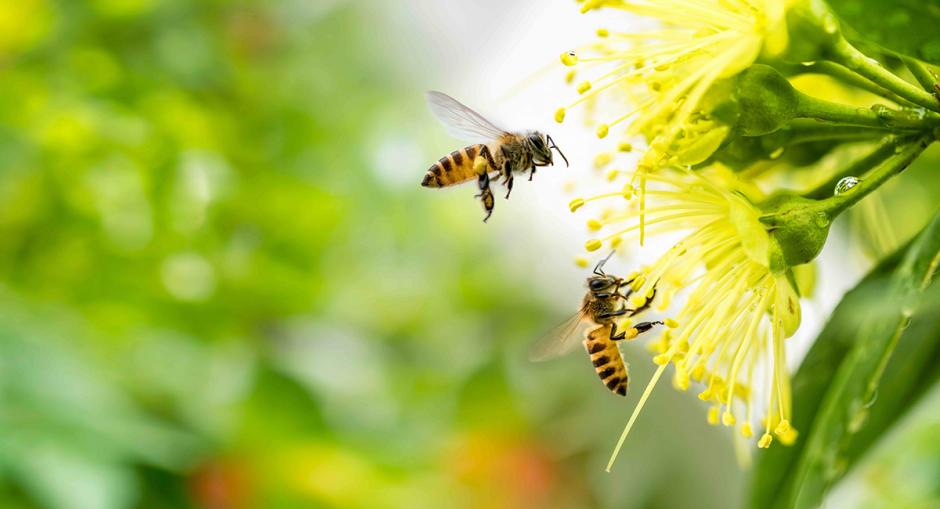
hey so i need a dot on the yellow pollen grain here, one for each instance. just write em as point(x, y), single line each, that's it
point(746, 430)
point(593, 245)
point(637, 301)
point(765, 441)
point(713, 416)
point(727, 418)
point(602, 159)
point(576, 204)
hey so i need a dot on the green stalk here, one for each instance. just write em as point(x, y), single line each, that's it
point(845, 54)
point(840, 73)
point(903, 156)
point(921, 73)
point(878, 116)
point(859, 167)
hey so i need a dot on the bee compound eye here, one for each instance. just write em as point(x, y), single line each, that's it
point(597, 284)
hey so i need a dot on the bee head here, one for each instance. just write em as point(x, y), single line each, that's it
point(542, 145)
point(598, 284)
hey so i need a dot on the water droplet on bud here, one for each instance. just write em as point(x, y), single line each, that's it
point(846, 184)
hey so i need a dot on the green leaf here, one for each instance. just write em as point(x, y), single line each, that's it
point(840, 407)
point(903, 26)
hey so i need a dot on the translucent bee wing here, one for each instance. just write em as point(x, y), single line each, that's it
point(461, 121)
point(558, 341)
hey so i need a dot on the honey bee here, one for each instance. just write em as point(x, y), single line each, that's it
point(602, 306)
point(494, 151)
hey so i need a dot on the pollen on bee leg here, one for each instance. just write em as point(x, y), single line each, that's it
point(637, 301)
point(479, 164)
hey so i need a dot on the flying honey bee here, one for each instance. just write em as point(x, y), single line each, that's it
point(494, 151)
point(602, 306)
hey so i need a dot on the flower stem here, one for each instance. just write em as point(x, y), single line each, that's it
point(921, 73)
point(844, 53)
point(878, 116)
point(838, 72)
point(859, 167)
point(893, 165)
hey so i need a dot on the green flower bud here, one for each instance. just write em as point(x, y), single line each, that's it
point(798, 230)
point(767, 100)
point(813, 28)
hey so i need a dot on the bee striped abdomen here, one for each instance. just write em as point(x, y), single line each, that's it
point(605, 355)
point(454, 168)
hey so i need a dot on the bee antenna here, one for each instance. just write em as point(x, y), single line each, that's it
point(562, 154)
point(599, 269)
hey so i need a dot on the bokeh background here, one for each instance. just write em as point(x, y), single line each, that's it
point(222, 287)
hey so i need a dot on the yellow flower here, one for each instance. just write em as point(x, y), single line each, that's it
point(736, 312)
point(663, 76)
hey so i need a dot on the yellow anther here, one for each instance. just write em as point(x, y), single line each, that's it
point(583, 87)
point(746, 431)
point(594, 224)
point(789, 437)
point(661, 359)
point(625, 147)
point(602, 131)
point(569, 77)
point(602, 32)
point(713, 416)
point(765, 441)
point(682, 379)
point(614, 242)
point(628, 191)
point(569, 58)
point(683, 346)
point(602, 159)
point(612, 175)
point(782, 428)
point(698, 372)
point(672, 324)
point(560, 115)
point(706, 394)
point(593, 245)
point(576, 204)
point(581, 261)
point(727, 419)
point(638, 283)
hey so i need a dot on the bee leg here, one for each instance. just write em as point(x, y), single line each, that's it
point(645, 326)
point(644, 307)
point(485, 152)
point(532, 173)
point(486, 195)
point(509, 185)
point(614, 336)
point(619, 312)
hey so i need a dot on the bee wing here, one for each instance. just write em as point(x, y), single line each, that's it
point(558, 341)
point(461, 121)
